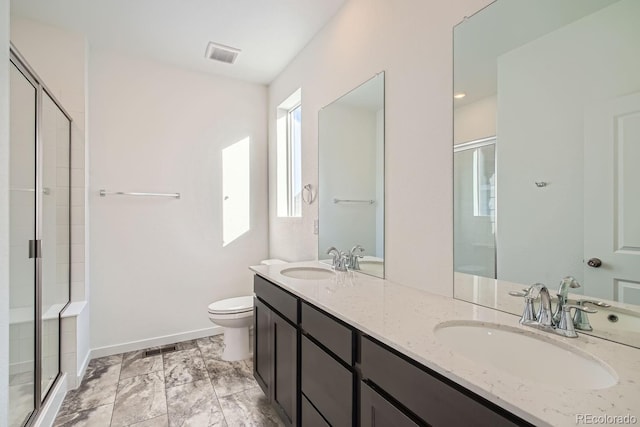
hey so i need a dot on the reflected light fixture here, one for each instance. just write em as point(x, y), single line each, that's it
point(459, 95)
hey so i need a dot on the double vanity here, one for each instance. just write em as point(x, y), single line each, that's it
point(344, 348)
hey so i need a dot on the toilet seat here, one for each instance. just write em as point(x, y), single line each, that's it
point(231, 306)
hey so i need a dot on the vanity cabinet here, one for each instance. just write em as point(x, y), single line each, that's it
point(376, 411)
point(429, 398)
point(318, 371)
point(328, 375)
point(275, 356)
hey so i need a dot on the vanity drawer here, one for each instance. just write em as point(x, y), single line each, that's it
point(430, 398)
point(376, 411)
point(276, 297)
point(327, 384)
point(328, 331)
point(311, 417)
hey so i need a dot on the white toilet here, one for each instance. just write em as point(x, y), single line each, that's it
point(235, 315)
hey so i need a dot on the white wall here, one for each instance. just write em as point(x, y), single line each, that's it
point(4, 211)
point(540, 137)
point(349, 136)
point(412, 42)
point(58, 56)
point(156, 263)
point(475, 120)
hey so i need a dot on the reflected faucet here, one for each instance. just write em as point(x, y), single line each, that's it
point(569, 282)
point(354, 259)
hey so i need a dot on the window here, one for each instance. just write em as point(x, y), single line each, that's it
point(289, 157)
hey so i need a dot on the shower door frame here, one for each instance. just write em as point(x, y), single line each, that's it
point(35, 246)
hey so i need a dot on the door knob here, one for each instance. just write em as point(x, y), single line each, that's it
point(594, 262)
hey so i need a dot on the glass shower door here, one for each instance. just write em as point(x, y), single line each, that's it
point(55, 137)
point(22, 224)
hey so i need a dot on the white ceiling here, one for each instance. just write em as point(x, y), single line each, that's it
point(502, 27)
point(269, 32)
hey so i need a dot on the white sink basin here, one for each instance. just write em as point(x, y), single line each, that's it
point(531, 357)
point(308, 273)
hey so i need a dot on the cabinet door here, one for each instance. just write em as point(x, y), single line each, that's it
point(327, 384)
point(262, 359)
point(285, 367)
point(376, 411)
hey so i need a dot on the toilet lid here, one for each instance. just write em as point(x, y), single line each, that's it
point(232, 305)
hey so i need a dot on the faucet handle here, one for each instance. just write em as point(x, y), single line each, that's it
point(568, 307)
point(566, 325)
point(594, 302)
point(529, 314)
point(580, 319)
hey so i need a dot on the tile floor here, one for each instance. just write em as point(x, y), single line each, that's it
point(188, 387)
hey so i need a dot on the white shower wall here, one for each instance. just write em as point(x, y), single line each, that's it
point(156, 263)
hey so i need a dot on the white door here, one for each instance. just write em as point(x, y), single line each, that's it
point(612, 200)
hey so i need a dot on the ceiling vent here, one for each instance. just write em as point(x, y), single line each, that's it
point(222, 53)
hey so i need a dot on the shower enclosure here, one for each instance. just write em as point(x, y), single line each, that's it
point(39, 209)
point(474, 227)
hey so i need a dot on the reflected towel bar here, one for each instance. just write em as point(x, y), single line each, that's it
point(104, 193)
point(368, 202)
point(46, 190)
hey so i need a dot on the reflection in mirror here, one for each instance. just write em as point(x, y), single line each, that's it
point(351, 177)
point(558, 96)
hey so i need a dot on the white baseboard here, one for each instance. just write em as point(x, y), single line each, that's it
point(50, 409)
point(153, 342)
point(80, 375)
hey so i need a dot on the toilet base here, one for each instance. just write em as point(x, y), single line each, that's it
point(236, 344)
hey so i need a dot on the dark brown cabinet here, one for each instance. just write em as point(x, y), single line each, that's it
point(262, 354)
point(430, 397)
point(327, 384)
point(275, 356)
point(376, 411)
point(319, 371)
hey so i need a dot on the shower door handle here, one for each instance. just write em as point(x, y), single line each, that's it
point(35, 249)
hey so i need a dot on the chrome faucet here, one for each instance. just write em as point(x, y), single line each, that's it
point(340, 260)
point(543, 318)
point(354, 259)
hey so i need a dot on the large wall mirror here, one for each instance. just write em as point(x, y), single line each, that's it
point(351, 176)
point(547, 155)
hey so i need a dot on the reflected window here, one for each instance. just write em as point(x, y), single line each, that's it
point(474, 167)
point(484, 181)
point(236, 188)
point(289, 156)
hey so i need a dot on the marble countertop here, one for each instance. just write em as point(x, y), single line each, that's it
point(404, 318)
